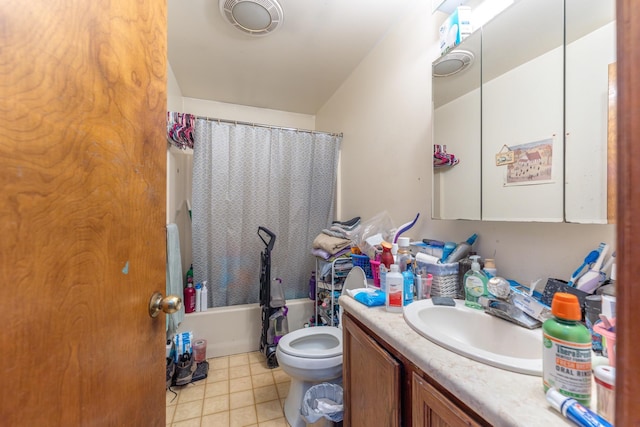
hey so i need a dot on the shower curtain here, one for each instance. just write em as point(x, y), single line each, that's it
point(249, 176)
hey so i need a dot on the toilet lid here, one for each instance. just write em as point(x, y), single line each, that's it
point(317, 342)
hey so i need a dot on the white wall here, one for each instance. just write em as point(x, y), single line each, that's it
point(384, 110)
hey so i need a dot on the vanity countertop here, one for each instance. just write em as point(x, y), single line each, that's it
point(501, 397)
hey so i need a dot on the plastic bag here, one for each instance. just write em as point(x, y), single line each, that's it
point(370, 297)
point(372, 232)
point(323, 400)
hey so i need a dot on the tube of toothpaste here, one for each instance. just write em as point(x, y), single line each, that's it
point(574, 411)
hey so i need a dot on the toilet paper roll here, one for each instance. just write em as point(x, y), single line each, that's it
point(426, 258)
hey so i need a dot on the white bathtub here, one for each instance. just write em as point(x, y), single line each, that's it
point(237, 329)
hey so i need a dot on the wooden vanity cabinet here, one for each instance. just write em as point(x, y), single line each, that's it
point(430, 408)
point(383, 388)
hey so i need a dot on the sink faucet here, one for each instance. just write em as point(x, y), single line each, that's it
point(507, 311)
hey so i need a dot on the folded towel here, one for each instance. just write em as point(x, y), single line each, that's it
point(174, 277)
point(330, 244)
point(348, 224)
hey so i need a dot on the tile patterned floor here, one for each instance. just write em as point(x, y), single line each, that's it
point(239, 391)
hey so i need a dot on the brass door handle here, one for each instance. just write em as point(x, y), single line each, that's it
point(169, 304)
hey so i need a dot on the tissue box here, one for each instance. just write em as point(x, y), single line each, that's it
point(456, 28)
point(529, 304)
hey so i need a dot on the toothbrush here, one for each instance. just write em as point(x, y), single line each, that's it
point(588, 260)
point(590, 281)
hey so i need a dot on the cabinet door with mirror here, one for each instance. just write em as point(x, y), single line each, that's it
point(543, 104)
point(590, 59)
point(456, 101)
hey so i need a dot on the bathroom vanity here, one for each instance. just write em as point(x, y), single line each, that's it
point(392, 376)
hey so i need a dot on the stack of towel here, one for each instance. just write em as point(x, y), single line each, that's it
point(336, 240)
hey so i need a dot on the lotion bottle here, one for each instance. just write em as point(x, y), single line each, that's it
point(204, 297)
point(475, 284)
point(395, 290)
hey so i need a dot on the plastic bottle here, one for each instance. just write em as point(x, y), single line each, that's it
point(403, 254)
point(190, 274)
point(462, 250)
point(387, 257)
point(566, 350)
point(204, 297)
point(189, 298)
point(407, 281)
point(475, 284)
point(490, 268)
point(198, 297)
point(386, 260)
point(395, 288)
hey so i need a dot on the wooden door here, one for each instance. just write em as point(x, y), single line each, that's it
point(82, 212)
point(371, 379)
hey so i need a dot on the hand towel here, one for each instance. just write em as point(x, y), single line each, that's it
point(174, 277)
point(330, 244)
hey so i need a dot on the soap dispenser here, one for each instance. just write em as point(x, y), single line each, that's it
point(475, 284)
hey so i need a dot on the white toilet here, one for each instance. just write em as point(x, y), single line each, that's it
point(312, 356)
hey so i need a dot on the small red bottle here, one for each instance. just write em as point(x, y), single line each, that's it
point(189, 298)
point(387, 257)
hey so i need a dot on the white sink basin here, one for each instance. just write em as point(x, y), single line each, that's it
point(478, 336)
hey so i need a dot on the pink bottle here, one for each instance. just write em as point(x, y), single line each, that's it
point(189, 298)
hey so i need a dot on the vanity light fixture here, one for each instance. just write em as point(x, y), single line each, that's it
point(452, 63)
point(253, 17)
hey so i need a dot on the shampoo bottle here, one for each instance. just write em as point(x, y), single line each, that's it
point(198, 296)
point(204, 297)
point(395, 287)
point(566, 350)
point(475, 284)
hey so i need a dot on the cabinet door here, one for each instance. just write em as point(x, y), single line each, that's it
point(371, 379)
point(430, 408)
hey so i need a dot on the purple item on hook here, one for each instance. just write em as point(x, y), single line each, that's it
point(405, 227)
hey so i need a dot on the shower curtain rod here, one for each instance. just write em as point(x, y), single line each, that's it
point(237, 122)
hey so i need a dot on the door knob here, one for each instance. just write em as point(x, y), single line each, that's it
point(169, 304)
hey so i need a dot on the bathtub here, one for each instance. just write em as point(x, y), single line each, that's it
point(237, 329)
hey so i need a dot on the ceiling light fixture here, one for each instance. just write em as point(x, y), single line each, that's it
point(452, 63)
point(254, 17)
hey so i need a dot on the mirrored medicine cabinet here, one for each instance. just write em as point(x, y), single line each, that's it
point(528, 116)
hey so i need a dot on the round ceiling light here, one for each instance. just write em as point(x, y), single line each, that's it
point(452, 63)
point(254, 17)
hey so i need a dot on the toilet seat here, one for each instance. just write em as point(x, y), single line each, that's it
point(320, 342)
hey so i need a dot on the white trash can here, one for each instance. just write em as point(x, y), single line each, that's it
point(323, 405)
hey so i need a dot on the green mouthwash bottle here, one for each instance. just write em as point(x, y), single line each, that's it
point(566, 350)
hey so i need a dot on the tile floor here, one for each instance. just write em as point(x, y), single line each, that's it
point(239, 391)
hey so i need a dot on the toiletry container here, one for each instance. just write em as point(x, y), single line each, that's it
point(461, 251)
point(605, 377)
point(407, 280)
point(490, 268)
point(403, 255)
point(204, 297)
point(566, 350)
point(386, 259)
point(198, 297)
point(189, 298)
point(395, 288)
point(475, 284)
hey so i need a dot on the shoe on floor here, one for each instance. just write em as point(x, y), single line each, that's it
point(185, 369)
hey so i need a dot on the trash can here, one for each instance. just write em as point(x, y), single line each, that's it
point(323, 405)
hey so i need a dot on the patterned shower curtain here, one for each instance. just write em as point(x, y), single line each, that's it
point(249, 176)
